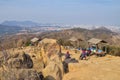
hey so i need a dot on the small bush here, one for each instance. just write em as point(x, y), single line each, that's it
point(27, 43)
point(113, 50)
point(67, 43)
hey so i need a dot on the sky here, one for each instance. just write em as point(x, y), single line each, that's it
point(90, 12)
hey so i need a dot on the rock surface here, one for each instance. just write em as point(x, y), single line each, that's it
point(19, 74)
point(21, 60)
point(52, 72)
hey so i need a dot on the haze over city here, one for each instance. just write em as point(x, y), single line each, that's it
point(90, 12)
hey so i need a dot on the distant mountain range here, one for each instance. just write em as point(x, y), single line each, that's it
point(7, 27)
point(26, 24)
point(20, 23)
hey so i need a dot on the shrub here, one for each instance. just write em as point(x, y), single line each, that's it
point(27, 43)
point(67, 43)
point(114, 50)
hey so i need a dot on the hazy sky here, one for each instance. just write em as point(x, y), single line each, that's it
point(100, 12)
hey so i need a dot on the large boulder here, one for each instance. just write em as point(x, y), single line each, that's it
point(21, 60)
point(38, 65)
point(47, 51)
point(52, 72)
point(20, 74)
point(19, 67)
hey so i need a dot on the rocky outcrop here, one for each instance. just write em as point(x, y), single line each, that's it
point(19, 67)
point(19, 74)
point(41, 58)
point(52, 72)
point(20, 61)
point(54, 69)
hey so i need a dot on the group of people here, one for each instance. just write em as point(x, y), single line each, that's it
point(91, 51)
point(87, 52)
point(83, 55)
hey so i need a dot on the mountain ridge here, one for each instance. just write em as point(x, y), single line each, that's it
point(20, 23)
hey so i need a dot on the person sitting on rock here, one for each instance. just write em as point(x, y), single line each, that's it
point(67, 55)
point(88, 52)
point(83, 55)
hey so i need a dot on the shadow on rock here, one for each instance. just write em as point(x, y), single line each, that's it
point(49, 78)
point(67, 61)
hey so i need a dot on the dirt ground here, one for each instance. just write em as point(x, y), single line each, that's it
point(95, 68)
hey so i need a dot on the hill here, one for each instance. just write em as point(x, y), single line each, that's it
point(85, 34)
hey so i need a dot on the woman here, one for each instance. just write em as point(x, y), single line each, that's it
point(67, 55)
point(84, 54)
